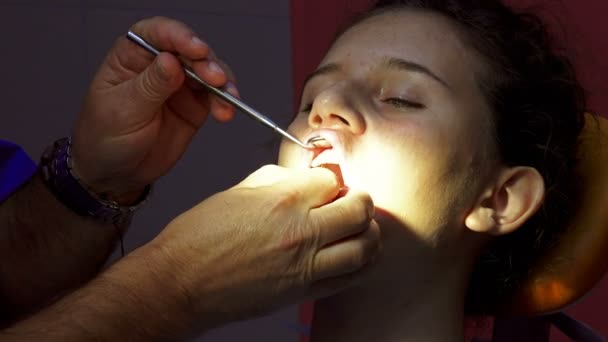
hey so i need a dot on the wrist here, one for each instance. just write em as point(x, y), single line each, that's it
point(120, 196)
point(175, 297)
point(59, 176)
point(191, 285)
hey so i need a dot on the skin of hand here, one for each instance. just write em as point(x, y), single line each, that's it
point(276, 238)
point(141, 112)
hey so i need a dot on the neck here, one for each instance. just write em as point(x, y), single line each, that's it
point(419, 307)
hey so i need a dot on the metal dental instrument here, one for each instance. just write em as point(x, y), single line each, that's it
point(222, 94)
point(311, 142)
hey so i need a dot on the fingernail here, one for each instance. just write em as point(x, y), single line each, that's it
point(231, 88)
point(197, 41)
point(215, 68)
point(162, 72)
point(343, 192)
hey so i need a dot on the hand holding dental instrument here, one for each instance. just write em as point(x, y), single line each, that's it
point(222, 94)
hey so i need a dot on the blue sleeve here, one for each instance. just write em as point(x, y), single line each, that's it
point(15, 168)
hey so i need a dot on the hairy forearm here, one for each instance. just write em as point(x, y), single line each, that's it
point(137, 299)
point(45, 249)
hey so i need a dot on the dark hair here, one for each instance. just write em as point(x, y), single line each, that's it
point(538, 112)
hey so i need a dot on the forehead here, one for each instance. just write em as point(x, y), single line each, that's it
point(421, 37)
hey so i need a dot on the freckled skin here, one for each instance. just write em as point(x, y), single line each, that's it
point(424, 166)
point(415, 163)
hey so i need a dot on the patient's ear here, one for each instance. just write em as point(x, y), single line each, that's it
point(507, 203)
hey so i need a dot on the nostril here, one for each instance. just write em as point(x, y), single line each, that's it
point(341, 118)
point(315, 120)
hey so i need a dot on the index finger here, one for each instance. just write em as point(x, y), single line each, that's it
point(265, 176)
point(347, 216)
point(171, 36)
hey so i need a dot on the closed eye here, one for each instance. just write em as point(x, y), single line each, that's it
point(402, 103)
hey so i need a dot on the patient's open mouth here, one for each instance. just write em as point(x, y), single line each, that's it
point(324, 152)
point(325, 155)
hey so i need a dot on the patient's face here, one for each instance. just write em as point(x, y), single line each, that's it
point(397, 98)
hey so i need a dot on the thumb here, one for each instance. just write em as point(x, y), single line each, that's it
point(153, 86)
point(266, 175)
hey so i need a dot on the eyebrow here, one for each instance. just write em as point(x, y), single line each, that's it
point(388, 63)
point(402, 64)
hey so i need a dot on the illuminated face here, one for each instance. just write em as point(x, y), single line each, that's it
point(397, 101)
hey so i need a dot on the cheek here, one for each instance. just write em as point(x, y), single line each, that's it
point(412, 173)
point(285, 154)
point(291, 155)
point(386, 163)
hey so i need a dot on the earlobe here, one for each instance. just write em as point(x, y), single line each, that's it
point(481, 218)
point(502, 208)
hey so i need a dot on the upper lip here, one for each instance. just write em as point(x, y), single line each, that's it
point(332, 137)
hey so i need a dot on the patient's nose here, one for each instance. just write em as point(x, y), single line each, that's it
point(334, 109)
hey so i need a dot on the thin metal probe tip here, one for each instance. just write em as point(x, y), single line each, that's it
point(293, 139)
point(222, 94)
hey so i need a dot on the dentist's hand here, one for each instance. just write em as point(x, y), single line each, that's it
point(141, 112)
point(275, 239)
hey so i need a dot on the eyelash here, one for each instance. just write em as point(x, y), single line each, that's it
point(394, 101)
point(402, 103)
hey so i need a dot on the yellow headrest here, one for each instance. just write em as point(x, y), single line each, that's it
point(580, 258)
